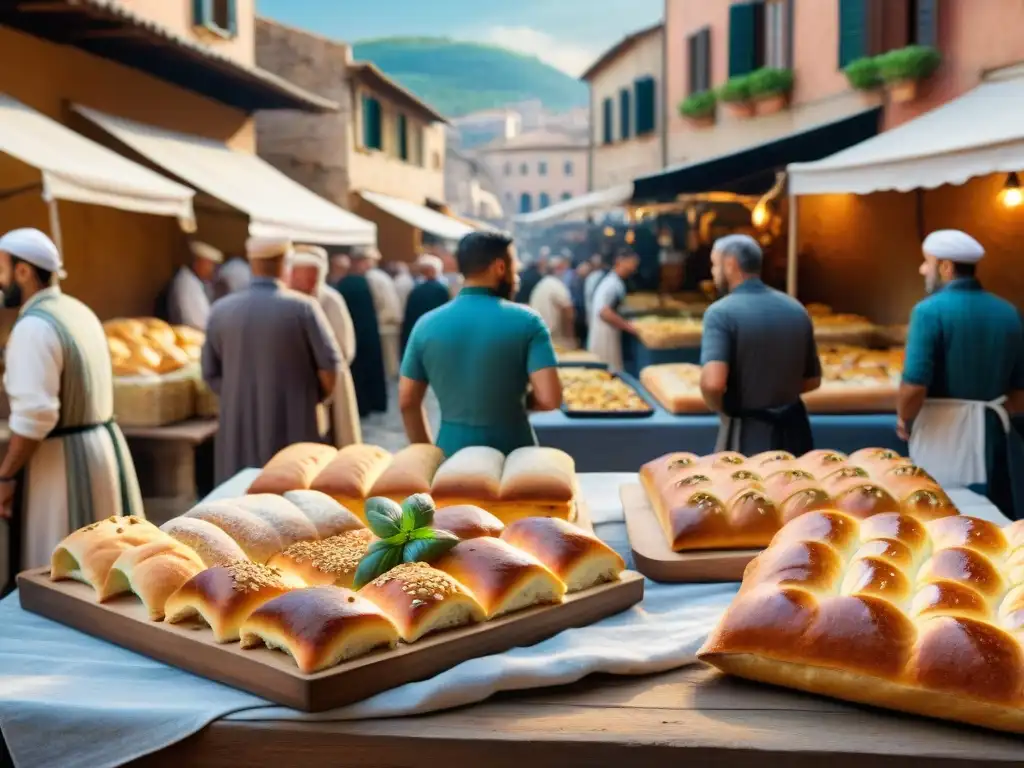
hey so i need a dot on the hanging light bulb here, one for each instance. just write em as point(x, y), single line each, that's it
point(630, 237)
point(1011, 195)
point(609, 232)
point(760, 215)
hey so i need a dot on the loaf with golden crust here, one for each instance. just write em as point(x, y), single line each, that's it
point(288, 522)
point(319, 627)
point(676, 386)
point(349, 477)
point(579, 559)
point(420, 600)
point(225, 595)
point(327, 515)
point(327, 562)
point(468, 522)
point(256, 537)
point(87, 554)
point(411, 471)
point(211, 543)
point(891, 611)
point(154, 572)
point(472, 473)
point(501, 578)
point(728, 501)
point(293, 468)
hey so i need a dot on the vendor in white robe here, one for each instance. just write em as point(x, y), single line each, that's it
point(67, 464)
point(191, 290)
point(389, 312)
point(606, 324)
point(308, 275)
point(233, 276)
point(553, 302)
point(404, 283)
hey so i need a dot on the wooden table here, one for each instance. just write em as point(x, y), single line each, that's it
point(690, 717)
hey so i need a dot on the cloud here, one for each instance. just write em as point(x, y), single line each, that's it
point(568, 57)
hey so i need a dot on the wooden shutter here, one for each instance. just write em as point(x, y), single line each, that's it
point(402, 128)
point(693, 64)
point(201, 13)
point(645, 103)
point(746, 38)
point(233, 17)
point(704, 58)
point(608, 121)
point(625, 114)
point(371, 123)
point(853, 31)
point(926, 25)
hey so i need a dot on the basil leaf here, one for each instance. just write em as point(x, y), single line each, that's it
point(384, 544)
point(383, 516)
point(376, 564)
point(417, 512)
point(428, 550)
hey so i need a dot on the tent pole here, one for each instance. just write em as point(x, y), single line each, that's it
point(55, 231)
point(791, 258)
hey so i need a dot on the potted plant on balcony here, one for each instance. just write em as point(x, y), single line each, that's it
point(770, 89)
point(735, 94)
point(904, 68)
point(699, 108)
point(863, 74)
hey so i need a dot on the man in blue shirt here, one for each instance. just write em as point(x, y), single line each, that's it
point(479, 353)
point(963, 376)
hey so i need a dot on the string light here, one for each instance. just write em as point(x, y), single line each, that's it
point(1011, 195)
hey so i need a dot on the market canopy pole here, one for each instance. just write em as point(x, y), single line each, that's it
point(791, 259)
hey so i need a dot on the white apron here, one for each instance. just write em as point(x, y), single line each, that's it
point(604, 340)
point(948, 440)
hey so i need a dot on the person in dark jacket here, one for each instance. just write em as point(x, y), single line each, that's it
point(368, 366)
point(429, 293)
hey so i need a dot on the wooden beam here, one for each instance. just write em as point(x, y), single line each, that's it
point(118, 33)
point(50, 6)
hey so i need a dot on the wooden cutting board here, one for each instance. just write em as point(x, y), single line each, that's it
point(656, 560)
point(274, 676)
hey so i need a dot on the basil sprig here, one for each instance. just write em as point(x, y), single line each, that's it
point(405, 534)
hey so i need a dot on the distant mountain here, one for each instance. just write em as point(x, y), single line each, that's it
point(457, 77)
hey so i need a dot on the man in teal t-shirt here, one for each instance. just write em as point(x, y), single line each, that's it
point(479, 353)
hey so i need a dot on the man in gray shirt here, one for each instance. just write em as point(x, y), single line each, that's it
point(757, 355)
point(272, 358)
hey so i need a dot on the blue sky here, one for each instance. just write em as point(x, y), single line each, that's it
point(568, 34)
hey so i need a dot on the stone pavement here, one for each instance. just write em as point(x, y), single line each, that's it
point(386, 430)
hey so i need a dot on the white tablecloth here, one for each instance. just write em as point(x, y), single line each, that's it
point(70, 701)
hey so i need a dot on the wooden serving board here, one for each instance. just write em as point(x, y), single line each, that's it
point(656, 560)
point(274, 676)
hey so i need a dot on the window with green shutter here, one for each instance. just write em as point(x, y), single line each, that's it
point(609, 121)
point(218, 16)
point(645, 106)
point(924, 22)
point(402, 129)
point(746, 38)
point(853, 31)
point(625, 112)
point(372, 134)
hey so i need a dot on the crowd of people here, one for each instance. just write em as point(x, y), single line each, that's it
point(297, 342)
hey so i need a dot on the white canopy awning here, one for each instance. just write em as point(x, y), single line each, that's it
point(82, 171)
point(419, 216)
point(276, 205)
point(598, 200)
point(980, 133)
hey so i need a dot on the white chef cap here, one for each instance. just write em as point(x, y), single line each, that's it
point(33, 247)
point(310, 256)
point(206, 251)
point(953, 245)
point(428, 260)
point(258, 248)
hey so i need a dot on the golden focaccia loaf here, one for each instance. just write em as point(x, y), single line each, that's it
point(293, 468)
point(411, 471)
point(891, 611)
point(349, 477)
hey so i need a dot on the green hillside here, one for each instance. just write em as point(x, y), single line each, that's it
point(457, 78)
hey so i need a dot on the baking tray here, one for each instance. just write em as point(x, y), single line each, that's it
point(636, 386)
point(656, 560)
point(274, 676)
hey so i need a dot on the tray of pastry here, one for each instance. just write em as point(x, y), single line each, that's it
point(593, 393)
point(889, 611)
point(695, 518)
point(260, 592)
point(657, 332)
point(529, 482)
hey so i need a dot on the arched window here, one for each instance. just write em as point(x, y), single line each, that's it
point(525, 203)
point(545, 200)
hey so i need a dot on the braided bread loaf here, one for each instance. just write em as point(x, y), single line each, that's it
point(923, 617)
point(728, 501)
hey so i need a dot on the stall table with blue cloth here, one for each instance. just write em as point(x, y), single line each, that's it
point(70, 700)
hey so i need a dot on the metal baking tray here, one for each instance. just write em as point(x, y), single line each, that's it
point(633, 384)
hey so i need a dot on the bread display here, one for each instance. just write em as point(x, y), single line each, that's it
point(293, 468)
point(154, 572)
point(578, 558)
point(727, 501)
point(287, 521)
point(224, 596)
point(88, 554)
point(208, 541)
point(668, 332)
point(854, 379)
point(564, 355)
point(328, 562)
point(472, 473)
point(501, 577)
point(829, 326)
point(420, 599)
point(319, 627)
point(349, 477)
point(256, 538)
point(595, 389)
point(468, 522)
point(327, 516)
point(890, 611)
point(411, 471)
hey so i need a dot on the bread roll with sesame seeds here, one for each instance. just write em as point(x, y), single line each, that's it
point(224, 596)
point(328, 562)
point(419, 600)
